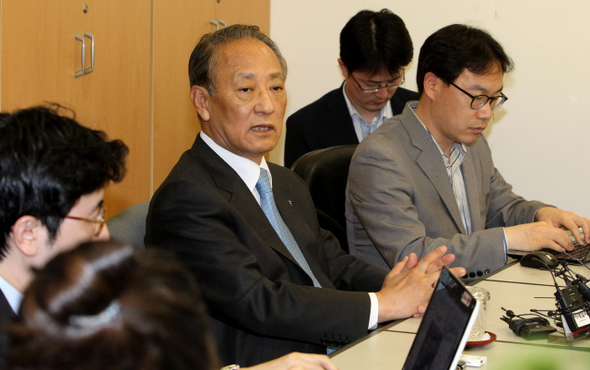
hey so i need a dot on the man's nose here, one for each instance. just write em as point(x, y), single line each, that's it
point(382, 93)
point(265, 102)
point(485, 112)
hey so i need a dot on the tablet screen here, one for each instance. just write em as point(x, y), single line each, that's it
point(445, 326)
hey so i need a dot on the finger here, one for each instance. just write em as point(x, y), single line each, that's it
point(585, 225)
point(554, 246)
point(439, 263)
point(411, 262)
point(425, 262)
point(458, 271)
point(319, 362)
point(575, 229)
point(400, 266)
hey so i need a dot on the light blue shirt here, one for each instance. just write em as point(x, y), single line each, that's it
point(363, 128)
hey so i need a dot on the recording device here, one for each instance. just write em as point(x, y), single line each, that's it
point(528, 326)
point(573, 302)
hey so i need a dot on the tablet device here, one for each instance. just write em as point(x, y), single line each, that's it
point(445, 327)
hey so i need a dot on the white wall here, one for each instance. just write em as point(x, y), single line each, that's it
point(539, 138)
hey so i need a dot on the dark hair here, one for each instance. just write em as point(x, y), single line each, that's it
point(106, 306)
point(201, 66)
point(375, 42)
point(452, 49)
point(47, 162)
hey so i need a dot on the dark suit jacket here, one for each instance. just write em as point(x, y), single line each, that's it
point(6, 316)
point(263, 305)
point(327, 122)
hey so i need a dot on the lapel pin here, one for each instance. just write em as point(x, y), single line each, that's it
point(290, 202)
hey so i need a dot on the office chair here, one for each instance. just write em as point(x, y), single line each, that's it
point(325, 171)
point(129, 224)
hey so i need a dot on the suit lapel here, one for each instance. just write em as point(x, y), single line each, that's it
point(337, 120)
point(241, 198)
point(431, 163)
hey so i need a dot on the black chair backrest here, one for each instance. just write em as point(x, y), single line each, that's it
point(325, 171)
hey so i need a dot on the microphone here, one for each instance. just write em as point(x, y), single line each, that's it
point(580, 282)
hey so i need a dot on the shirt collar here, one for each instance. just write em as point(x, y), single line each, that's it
point(248, 170)
point(384, 114)
point(456, 146)
point(13, 296)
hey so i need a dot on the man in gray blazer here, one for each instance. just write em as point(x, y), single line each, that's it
point(426, 178)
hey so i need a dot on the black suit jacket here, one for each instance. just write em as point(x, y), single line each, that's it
point(6, 316)
point(263, 305)
point(327, 122)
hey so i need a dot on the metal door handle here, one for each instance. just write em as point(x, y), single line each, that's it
point(81, 72)
point(91, 37)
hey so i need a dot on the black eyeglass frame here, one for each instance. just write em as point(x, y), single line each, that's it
point(479, 98)
point(391, 85)
point(99, 221)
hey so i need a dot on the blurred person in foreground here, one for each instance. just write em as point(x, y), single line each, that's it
point(53, 172)
point(104, 305)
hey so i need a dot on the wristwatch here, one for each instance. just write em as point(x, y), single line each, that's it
point(231, 367)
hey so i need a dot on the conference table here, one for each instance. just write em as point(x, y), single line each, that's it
point(513, 287)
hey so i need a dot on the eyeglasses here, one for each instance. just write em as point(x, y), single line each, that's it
point(479, 101)
point(374, 89)
point(98, 222)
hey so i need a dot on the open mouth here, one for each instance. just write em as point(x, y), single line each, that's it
point(262, 128)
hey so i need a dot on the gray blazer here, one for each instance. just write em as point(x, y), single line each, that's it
point(399, 200)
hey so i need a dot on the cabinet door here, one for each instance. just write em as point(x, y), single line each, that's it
point(40, 56)
point(38, 47)
point(178, 26)
point(255, 12)
point(116, 96)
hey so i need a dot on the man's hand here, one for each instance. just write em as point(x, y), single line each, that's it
point(408, 287)
point(537, 235)
point(568, 220)
point(297, 361)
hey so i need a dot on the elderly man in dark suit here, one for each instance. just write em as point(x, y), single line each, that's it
point(427, 178)
point(375, 47)
point(274, 281)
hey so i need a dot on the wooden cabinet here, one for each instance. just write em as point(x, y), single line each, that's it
point(175, 120)
point(40, 56)
point(138, 91)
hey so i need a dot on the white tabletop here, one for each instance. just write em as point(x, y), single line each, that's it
point(388, 350)
point(516, 288)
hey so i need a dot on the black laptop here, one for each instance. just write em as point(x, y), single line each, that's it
point(445, 327)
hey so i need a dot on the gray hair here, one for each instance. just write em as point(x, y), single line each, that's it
point(202, 62)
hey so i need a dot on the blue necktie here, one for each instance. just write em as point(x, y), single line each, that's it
point(269, 207)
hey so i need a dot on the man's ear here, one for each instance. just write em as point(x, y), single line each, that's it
point(343, 68)
point(431, 83)
point(27, 235)
point(200, 98)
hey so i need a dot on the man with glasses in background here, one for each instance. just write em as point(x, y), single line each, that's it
point(427, 178)
point(53, 172)
point(375, 48)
